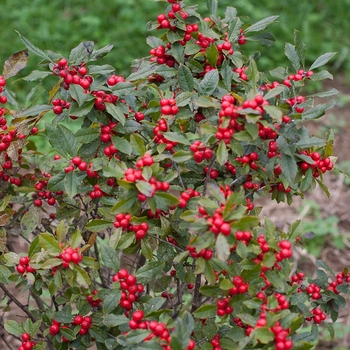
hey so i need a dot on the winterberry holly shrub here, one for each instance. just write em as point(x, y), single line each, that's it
point(141, 217)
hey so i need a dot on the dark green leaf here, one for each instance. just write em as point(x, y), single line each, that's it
point(289, 167)
point(205, 311)
point(322, 60)
point(149, 272)
point(137, 143)
point(185, 78)
point(209, 83)
point(98, 225)
point(292, 55)
point(32, 48)
point(111, 301)
point(112, 320)
point(261, 25)
point(116, 112)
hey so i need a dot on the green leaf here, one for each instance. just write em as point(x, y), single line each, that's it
point(34, 247)
point(4, 274)
point(222, 248)
point(289, 168)
point(176, 137)
point(137, 143)
point(34, 111)
point(182, 156)
point(13, 328)
point(81, 53)
point(30, 220)
point(330, 329)
point(86, 135)
point(300, 47)
point(126, 240)
point(222, 153)
point(32, 48)
point(264, 335)
point(65, 315)
point(209, 83)
point(323, 74)
point(185, 78)
point(212, 54)
point(102, 69)
point(182, 332)
point(205, 311)
point(317, 111)
point(145, 188)
point(322, 60)
point(78, 94)
point(56, 182)
point(72, 183)
point(275, 91)
point(122, 145)
point(136, 336)
point(292, 55)
point(112, 320)
point(227, 75)
point(141, 73)
point(62, 139)
point(98, 225)
point(112, 300)
point(49, 243)
point(116, 112)
point(149, 272)
point(322, 265)
point(261, 25)
point(123, 205)
point(36, 75)
point(265, 39)
point(177, 51)
point(82, 277)
point(110, 257)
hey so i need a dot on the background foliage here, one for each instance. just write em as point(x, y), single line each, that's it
point(62, 24)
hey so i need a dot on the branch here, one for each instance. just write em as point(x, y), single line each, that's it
point(18, 303)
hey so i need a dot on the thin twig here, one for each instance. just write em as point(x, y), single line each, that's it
point(179, 174)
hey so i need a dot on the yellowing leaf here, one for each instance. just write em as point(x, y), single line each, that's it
point(15, 63)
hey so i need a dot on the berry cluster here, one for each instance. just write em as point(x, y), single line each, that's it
point(318, 317)
point(3, 98)
point(84, 323)
point(93, 299)
point(241, 73)
point(281, 335)
point(240, 287)
point(206, 254)
point(131, 290)
point(23, 266)
point(160, 56)
point(314, 291)
point(160, 138)
point(72, 75)
point(101, 98)
point(300, 75)
point(70, 255)
point(168, 106)
point(223, 307)
point(215, 342)
point(42, 193)
point(319, 164)
point(59, 105)
point(200, 152)
point(295, 101)
point(158, 330)
point(244, 236)
point(285, 252)
point(27, 343)
point(217, 224)
point(249, 159)
point(115, 79)
point(186, 196)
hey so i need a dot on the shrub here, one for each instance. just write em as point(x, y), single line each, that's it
point(141, 218)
